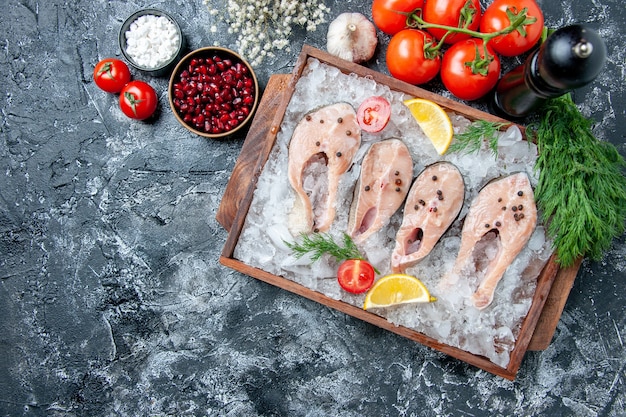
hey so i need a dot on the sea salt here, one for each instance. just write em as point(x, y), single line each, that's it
point(152, 41)
point(452, 320)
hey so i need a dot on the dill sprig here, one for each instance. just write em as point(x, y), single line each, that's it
point(582, 188)
point(471, 140)
point(319, 244)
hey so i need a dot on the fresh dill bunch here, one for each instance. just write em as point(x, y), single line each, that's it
point(471, 140)
point(319, 244)
point(582, 188)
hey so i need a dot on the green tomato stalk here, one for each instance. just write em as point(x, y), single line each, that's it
point(518, 21)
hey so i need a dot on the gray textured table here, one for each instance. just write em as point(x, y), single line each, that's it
point(112, 300)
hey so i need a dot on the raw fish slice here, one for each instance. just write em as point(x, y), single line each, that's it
point(434, 202)
point(504, 210)
point(386, 173)
point(321, 149)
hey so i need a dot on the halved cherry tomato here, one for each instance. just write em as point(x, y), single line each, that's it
point(356, 276)
point(138, 100)
point(407, 57)
point(390, 15)
point(111, 75)
point(467, 72)
point(454, 13)
point(373, 114)
point(497, 17)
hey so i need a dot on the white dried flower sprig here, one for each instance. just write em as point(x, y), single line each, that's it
point(264, 26)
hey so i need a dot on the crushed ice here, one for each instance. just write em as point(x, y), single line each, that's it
point(452, 320)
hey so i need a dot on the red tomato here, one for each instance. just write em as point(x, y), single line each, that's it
point(406, 59)
point(356, 276)
point(111, 75)
point(520, 40)
point(138, 100)
point(455, 13)
point(461, 73)
point(390, 15)
point(373, 114)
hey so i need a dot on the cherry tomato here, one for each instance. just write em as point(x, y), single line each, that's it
point(356, 276)
point(138, 100)
point(460, 74)
point(455, 13)
point(373, 114)
point(390, 15)
point(111, 75)
point(496, 18)
point(407, 59)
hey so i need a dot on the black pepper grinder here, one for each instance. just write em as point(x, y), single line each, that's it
point(570, 58)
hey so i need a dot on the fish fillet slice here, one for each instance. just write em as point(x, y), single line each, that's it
point(504, 208)
point(386, 173)
point(434, 202)
point(321, 149)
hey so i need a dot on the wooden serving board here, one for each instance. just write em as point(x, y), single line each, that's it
point(553, 285)
point(242, 177)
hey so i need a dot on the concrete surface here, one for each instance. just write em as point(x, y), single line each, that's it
point(112, 300)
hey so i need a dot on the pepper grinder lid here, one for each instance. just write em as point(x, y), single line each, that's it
point(571, 57)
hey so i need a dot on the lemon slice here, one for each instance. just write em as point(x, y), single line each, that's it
point(434, 121)
point(396, 289)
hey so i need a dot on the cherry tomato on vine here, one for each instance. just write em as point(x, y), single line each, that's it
point(496, 17)
point(407, 58)
point(356, 276)
point(111, 75)
point(373, 114)
point(390, 15)
point(467, 72)
point(455, 13)
point(138, 100)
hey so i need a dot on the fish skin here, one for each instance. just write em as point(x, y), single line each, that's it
point(487, 214)
point(425, 211)
point(330, 135)
point(384, 181)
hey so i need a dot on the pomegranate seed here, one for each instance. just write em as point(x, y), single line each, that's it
point(214, 94)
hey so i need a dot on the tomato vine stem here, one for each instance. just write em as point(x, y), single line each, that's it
point(517, 22)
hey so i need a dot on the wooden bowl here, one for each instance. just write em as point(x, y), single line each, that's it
point(213, 92)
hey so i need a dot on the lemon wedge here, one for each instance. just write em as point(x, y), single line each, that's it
point(396, 289)
point(434, 121)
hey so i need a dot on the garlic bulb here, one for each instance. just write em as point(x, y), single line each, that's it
point(352, 37)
